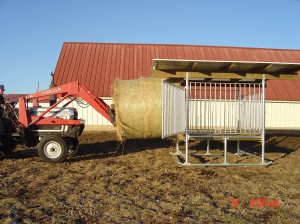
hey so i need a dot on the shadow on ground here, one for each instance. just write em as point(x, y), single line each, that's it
point(102, 148)
point(96, 150)
point(117, 148)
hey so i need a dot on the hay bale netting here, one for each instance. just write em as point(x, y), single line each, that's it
point(138, 108)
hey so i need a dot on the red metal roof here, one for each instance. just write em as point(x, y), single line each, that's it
point(97, 65)
point(285, 90)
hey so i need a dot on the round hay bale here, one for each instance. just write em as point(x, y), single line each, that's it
point(138, 108)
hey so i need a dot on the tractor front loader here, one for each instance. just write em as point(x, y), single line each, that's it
point(54, 129)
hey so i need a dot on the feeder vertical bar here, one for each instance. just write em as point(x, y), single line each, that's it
point(236, 112)
point(257, 108)
point(225, 107)
point(200, 101)
point(191, 104)
point(260, 107)
point(245, 109)
point(231, 108)
point(263, 120)
point(215, 110)
point(205, 110)
point(239, 105)
point(210, 109)
point(254, 108)
point(187, 118)
point(196, 109)
point(249, 109)
point(220, 126)
point(163, 109)
point(170, 114)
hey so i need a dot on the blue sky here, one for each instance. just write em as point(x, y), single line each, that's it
point(32, 32)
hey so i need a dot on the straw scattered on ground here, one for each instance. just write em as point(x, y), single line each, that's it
point(138, 182)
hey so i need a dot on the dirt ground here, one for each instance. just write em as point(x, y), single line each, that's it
point(138, 182)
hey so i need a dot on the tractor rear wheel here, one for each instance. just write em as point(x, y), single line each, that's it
point(7, 145)
point(53, 149)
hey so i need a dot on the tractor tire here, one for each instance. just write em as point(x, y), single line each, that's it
point(73, 145)
point(53, 149)
point(7, 146)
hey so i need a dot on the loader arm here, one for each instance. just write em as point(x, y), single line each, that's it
point(71, 90)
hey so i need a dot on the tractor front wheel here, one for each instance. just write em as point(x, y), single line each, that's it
point(53, 149)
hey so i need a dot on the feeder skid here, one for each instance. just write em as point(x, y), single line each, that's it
point(224, 111)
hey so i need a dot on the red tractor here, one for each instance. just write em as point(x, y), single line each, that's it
point(54, 129)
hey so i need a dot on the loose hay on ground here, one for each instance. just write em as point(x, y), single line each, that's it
point(143, 185)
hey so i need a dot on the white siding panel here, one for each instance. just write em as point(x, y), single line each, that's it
point(90, 115)
point(283, 115)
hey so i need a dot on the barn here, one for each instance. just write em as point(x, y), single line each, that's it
point(97, 65)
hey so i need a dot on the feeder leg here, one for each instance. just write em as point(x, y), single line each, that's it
point(225, 150)
point(238, 147)
point(186, 148)
point(207, 147)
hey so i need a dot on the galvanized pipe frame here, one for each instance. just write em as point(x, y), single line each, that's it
point(259, 135)
point(186, 160)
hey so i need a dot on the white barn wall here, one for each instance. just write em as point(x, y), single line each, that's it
point(90, 115)
point(282, 115)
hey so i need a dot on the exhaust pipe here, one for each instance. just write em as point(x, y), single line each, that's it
point(52, 98)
